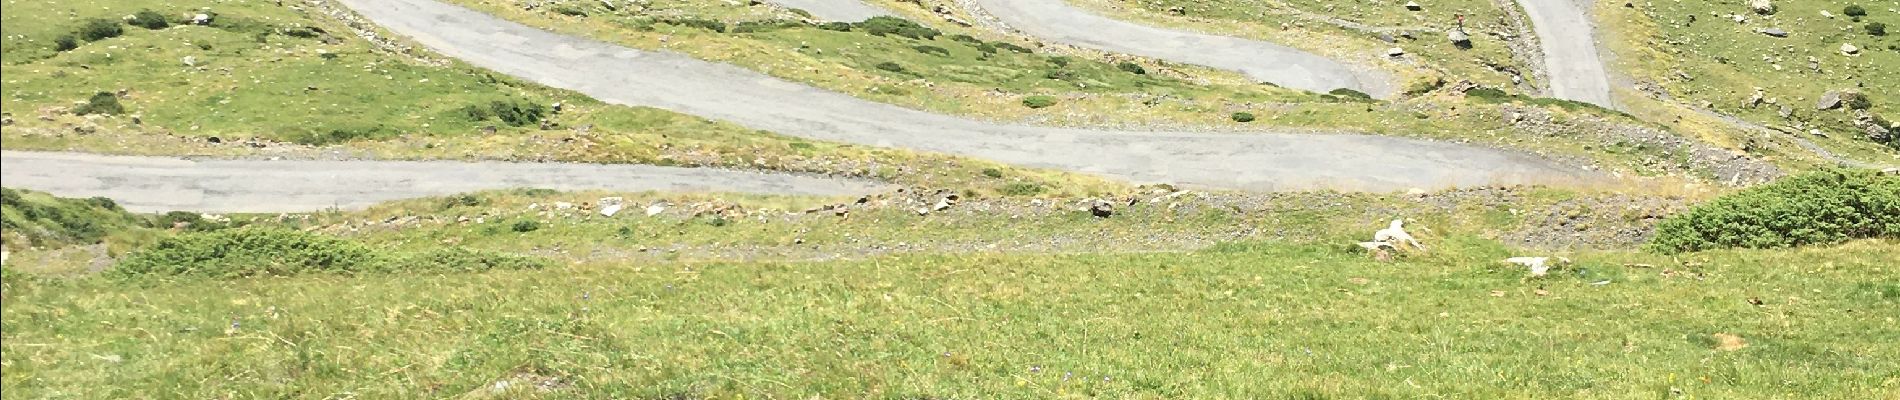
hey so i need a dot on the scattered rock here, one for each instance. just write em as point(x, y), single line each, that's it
point(1830, 100)
point(1414, 6)
point(190, 61)
point(610, 206)
point(1101, 209)
point(1394, 52)
point(1763, 7)
point(1539, 266)
point(1459, 37)
point(201, 19)
point(1849, 49)
point(656, 209)
point(1776, 32)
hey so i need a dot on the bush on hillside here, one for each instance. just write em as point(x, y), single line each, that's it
point(706, 24)
point(932, 50)
point(149, 19)
point(886, 25)
point(764, 25)
point(1132, 68)
point(972, 40)
point(1877, 29)
point(836, 26)
point(1243, 117)
point(1823, 207)
point(1039, 101)
point(246, 252)
point(101, 103)
point(100, 29)
point(890, 66)
point(1013, 47)
point(511, 112)
point(1854, 10)
point(65, 43)
point(44, 220)
point(1350, 94)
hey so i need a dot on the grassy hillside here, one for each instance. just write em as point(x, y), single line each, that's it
point(1359, 31)
point(1177, 294)
point(269, 80)
point(1241, 321)
point(1698, 54)
point(29, 219)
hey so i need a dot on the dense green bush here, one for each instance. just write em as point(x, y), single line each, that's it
point(972, 40)
point(570, 10)
point(44, 220)
point(236, 253)
point(100, 29)
point(764, 25)
point(101, 103)
point(1243, 117)
point(65, 43)
point(1822, 207)
point(1132, 68)
point(890, 66)
point(886, 25)
point(525, 226)
point(706, 24)
point(1854, 10)
point(1013, 47)
point(1350, 94)
point(1021, 189)
point(836, 26)
point(1877, 29)
point(932, 50)
point(512, 112)
point(1038, 101)
point(149, 19)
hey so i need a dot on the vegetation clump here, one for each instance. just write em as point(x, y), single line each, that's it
point(149, 19)
point(1243, 117)
point(247, 252)
point(103, 103)
point(1132, 68)
point(100, 29)
point(886, 25)
point(1039, 101)
point(1823, 207)
point(511, 112)
point(44, 220)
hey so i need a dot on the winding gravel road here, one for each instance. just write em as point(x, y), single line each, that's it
point(836, 10)
point(1058, 21)
point(1568, 39)
point(1253, 161)
point(158, 184)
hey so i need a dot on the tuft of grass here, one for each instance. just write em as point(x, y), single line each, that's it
point(29, 218)
point(260, 251)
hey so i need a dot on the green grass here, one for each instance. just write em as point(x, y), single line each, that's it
point(29, 218)
point(262, 73)
point(1302, 24)
point(1241, 321)
point(1717, 62)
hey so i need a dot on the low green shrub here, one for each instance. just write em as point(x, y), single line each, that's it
point(513, 112)
point(525, 226)
point(972, 40)
point(570, 10)
point(103, 103)
point(836, 26)
point(1243, 117)
point(1350, 94)
point(149, 19)
point(247, 252)
point(1132, 68)
point(45, 220)
point(890, 66)
point(1039, 101)
point(887, 25)
point(765, 26)
point(100, 29)
point(65, 43)
point(1823, 207)
point(993, 173)
point(1877, 29)
point(1854, 10)
point(1013, 47)
point(932, 50)
point(706, 24)
point(1021, 189)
